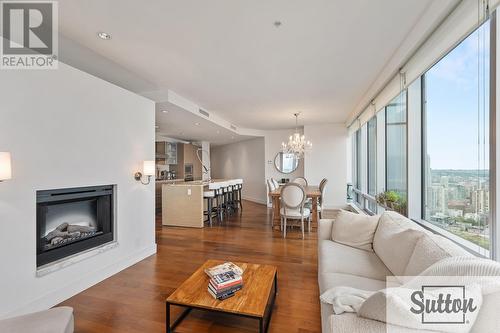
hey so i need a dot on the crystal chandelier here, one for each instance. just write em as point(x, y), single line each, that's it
point(297, 143)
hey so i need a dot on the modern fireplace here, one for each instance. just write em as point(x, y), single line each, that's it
point(70, 221)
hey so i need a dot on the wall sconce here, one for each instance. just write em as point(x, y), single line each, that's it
point(148, 169)
point(5, 166)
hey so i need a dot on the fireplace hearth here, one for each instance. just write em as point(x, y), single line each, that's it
point(70, 221)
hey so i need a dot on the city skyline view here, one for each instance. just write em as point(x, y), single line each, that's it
point(457, 141)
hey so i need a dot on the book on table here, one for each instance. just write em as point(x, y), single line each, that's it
point(225, 280)
point(224, 268)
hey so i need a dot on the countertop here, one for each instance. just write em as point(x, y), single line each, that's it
point(168, 181)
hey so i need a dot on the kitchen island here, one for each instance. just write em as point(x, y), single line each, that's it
point(158, 190)
point(182, 203)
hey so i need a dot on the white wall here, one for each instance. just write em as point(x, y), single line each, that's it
point(244, 160)
point(66, 128)
point(327, 159)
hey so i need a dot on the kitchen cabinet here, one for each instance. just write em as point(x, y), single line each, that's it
point(171, 151)
point(166, 152)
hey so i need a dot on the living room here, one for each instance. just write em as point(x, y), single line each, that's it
point(242, 166)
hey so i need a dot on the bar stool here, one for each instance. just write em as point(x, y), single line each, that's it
point(224, 199)
point(209, 195)
point(238, 188)
point(228, 197)
point(233, 192)
point(216, 188)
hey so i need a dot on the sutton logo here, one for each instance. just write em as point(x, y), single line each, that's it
point(29, 31)
point(449, 307)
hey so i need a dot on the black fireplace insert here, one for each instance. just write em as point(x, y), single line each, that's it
point(73, 220)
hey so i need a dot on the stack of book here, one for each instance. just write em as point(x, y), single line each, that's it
point(225, 280)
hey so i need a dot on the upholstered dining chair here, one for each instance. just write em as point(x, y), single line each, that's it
point(293, 197)
point(322, 187)
point(321, 199)
point(271, 187)
point(275, 183)
point(300, 180)
point(322, 181)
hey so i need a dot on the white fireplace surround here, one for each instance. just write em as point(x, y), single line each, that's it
point(65, 128)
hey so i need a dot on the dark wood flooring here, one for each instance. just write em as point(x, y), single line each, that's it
point(133, 300)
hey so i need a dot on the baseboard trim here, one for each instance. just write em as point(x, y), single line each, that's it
point(259, 201)
point(61, 294)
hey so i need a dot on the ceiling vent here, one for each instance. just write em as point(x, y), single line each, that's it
point(233, 127)
point(203, 112)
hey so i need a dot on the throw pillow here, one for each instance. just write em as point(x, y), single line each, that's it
point(429, 250)
point(395, 240)
point(354, 230)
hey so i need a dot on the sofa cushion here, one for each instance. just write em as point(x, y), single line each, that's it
point(331, 280)
point(56, 320)
point(429, 250)
point(394, 231)
point(338, 258)
point(356, 230)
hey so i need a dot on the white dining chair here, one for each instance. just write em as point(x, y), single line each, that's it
point(300, 180)
point(321, 199)
point(271, 187)
point(275, 183)
point(293, 197)
point(319, 206)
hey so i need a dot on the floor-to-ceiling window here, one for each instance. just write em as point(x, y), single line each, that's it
point(396, 145)
point(456, 141)
point(357, 167)
point(372, 162)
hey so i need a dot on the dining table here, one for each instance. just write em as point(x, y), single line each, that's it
point(312, 192)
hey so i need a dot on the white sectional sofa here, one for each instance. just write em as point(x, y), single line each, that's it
point(397, 250)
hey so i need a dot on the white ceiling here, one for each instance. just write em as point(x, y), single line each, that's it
point(180, 124)
point(228, 57)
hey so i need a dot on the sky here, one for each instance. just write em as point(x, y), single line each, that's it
point(452, 105)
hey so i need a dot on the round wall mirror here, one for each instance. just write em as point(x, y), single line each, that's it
point(286, 162)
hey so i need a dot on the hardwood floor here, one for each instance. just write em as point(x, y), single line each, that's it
point(134, 299)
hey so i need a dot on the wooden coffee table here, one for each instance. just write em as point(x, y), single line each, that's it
point(255, 300)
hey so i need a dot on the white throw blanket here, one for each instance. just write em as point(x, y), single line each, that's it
point(345, 299)
point(481, 276)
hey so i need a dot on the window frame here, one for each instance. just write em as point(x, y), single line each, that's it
point(368, 164)
point(357, 167)
point(406, 141)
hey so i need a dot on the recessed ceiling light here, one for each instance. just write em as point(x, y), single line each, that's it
point(164, 111)
point(197, 124)
point(104, 35)
point(156, 126)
